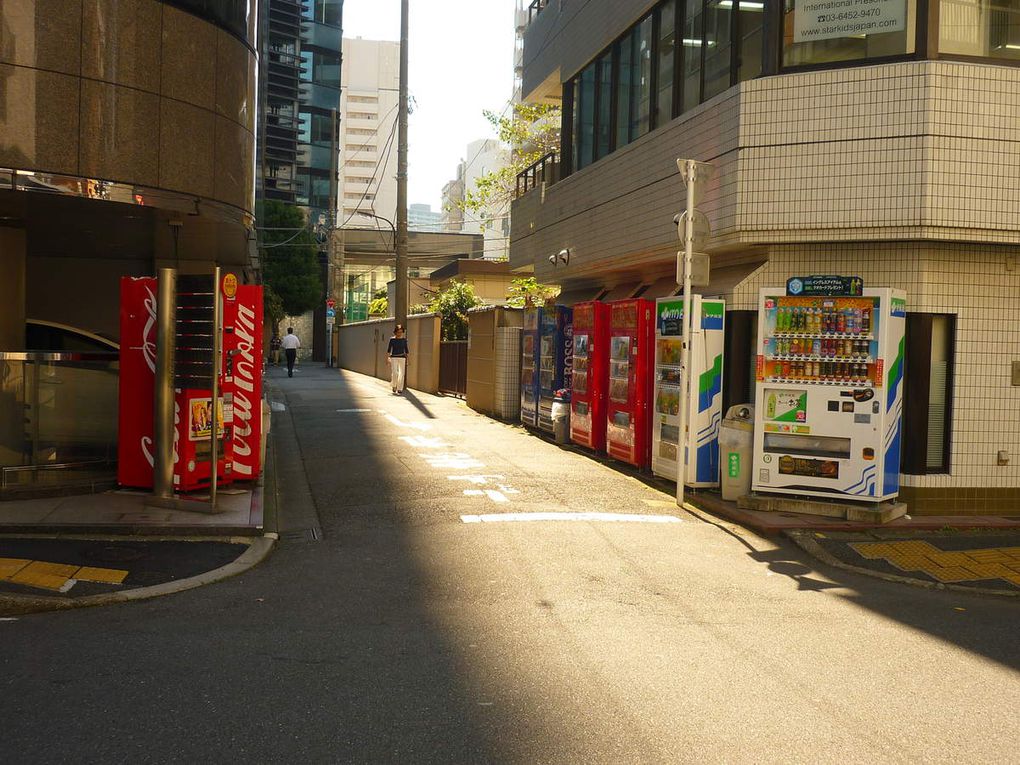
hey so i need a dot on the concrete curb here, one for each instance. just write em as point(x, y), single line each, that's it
point(804, 541)
point(258, 550)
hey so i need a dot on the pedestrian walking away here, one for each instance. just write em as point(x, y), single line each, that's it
point(274, 349)
point(290, 345)
point(397, 352)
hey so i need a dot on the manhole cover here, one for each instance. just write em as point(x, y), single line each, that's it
point(115, 554)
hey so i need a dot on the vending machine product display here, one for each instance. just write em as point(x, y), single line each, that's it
point(704, 411)
point(590, 375)
point(631, 343)
point(829, 394)
point(555, 357)
point(529, 366)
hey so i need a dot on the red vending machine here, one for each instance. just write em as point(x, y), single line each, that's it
point(591, 375)
point(135, 450)
point(631, 360)
point(242, 343)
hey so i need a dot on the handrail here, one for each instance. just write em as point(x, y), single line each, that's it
point(545, 170)
point(536, 7)
point(58, 356)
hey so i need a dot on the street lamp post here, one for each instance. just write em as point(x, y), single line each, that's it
point(400, 234)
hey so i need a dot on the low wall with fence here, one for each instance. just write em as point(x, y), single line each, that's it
point(363, 349)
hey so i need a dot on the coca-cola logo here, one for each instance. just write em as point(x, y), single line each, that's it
point(568, 356)
point(148, 339)
point(245, 399)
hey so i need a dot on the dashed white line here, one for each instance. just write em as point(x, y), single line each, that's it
point(531, 517)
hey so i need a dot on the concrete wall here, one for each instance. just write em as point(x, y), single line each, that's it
point(482, 361)
point(363, 349)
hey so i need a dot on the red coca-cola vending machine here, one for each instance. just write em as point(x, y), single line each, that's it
point(631, 359)
point(239, 410)
point(591, 375)
point(242, 344)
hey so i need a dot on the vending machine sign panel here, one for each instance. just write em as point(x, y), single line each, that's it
point(135, 449)
point(631, 351)
point(590, 374)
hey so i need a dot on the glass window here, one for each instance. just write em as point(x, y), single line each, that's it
point(586, 123)
point(605, 115)
point(623, 67)
point(324, 11)
point(813, 33)
point(692, 44)
point(642, 78)
point(320, 68)
point(927, 393)
point(666, 62)
point(751, 13)
point(718, 47)
point(988, 28)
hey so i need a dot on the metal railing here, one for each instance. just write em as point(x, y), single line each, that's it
point(545, 170)
point(536, 7)
point(58, 418)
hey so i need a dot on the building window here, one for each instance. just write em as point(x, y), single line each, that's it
point(692, 47)
point(822, 36)
point(927, 394)
point(986, 28)
point(320, 68)
point(316, 128)
point(603, 144)
point(665, 63)
point(623, 88)
point(717, 46)
point(749, 19)
point(324, 11)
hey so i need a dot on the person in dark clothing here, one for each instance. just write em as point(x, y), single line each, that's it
point(397, 352)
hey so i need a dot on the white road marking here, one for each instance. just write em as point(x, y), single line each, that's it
point(454, 460)
point(479, 480)
point(401, 424)
point(423, 442)
point(350, 411)
point(8, 618)
point(495, 496)
point(611, 517)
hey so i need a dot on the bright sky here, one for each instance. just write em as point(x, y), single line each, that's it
point(461, 62)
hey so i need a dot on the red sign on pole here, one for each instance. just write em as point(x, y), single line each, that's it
point(330, 303)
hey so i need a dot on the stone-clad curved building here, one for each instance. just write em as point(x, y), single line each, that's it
point(127, 137)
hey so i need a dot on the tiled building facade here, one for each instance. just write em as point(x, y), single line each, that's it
point(889, 156)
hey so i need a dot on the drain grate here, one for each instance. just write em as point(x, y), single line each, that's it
point(302, 535)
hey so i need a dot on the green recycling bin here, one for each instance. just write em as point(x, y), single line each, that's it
point(736, 440)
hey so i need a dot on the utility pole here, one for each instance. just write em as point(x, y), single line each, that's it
point(400, 309)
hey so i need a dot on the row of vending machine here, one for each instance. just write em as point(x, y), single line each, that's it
point(828, 394)
point(621, 363)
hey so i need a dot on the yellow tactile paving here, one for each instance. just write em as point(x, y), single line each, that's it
point(49, 576)
point(947, 566)
point(53, 576)
point(10, 566)
point(103, 575)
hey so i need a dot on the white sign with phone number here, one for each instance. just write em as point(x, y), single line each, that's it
point(829, 19)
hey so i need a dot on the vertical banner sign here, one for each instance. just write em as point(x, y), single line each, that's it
point(242, 320)
point(137, 381)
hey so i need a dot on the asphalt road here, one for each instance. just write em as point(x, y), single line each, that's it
point(385, 628)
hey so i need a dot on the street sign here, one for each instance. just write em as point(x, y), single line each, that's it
point(330, 321)
point(701, 267)
point(703, 172)
point(330, 303)
point(702, 229)
point(330, 312)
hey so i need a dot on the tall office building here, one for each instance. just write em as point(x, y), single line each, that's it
point(423, 218)
point(368, 134)
point(483, 157)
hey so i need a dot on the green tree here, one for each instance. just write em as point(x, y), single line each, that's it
point(290, 262)
point(525, 291)
point(379, 306)
point(452, 304)
point(532, 131)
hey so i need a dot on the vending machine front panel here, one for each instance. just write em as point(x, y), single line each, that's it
point(631, 348)
point(590, 375)
point(704, 413)
point(529, 366)
point(829, 395)
point(555, 359)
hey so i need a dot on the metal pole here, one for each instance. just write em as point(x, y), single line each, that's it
point(217, 352)
point(400, 309)
point(163, 402)
point(685, 361)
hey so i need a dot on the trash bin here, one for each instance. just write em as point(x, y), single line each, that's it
point(561, 416)
point(735, 444)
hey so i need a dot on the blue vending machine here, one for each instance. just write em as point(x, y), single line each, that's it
point(555, 358)
point(529, 366)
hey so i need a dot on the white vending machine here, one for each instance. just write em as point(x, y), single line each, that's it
point(705, 411)
point(829, 394)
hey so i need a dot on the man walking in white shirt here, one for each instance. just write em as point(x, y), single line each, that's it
point(290, 344)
